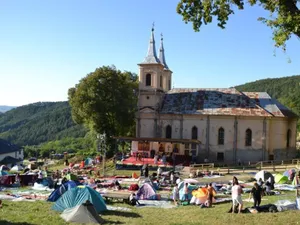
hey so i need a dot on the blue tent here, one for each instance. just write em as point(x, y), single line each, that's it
point(79, 195)
point(181, 190)
point(88, 161)
point(60, 190)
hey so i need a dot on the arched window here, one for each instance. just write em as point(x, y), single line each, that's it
point(168, 131)
point(248, 138)
point(288, 138)
point(160, 81)
point(148, 79)
point(194, 133)
point(221, 135)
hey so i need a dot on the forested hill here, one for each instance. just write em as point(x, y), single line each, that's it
point(286, 90)
point(39, 122)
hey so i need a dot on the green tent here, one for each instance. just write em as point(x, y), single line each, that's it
point(79, 195)
point(280, 179)
point(71, 176)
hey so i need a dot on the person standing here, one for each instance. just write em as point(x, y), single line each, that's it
point(175, 194)
point(236, 195)
point(256, 194)
point(211, 192)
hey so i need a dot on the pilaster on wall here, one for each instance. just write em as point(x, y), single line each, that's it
point(207, 136)
point(264, 137)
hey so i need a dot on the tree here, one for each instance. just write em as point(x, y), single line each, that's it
point(284, 17)
point(105, 101)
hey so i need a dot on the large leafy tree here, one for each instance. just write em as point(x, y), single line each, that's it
point(284, 16)
point(105, 101)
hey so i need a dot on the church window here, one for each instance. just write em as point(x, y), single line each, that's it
point(148, 97)
point(194, 133)
point(288, 138)
point(248, 141)
point(148, 79)
point(169, 84)
point(221, 135)
point(160, 81)
point(168, 131)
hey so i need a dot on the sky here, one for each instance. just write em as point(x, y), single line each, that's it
point(47, 46)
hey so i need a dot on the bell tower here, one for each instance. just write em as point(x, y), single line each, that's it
point(154, 76)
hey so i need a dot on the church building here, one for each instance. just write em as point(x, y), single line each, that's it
point(208, 124)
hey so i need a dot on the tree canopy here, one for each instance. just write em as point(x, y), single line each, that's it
point(105, 101)
point(284, 17)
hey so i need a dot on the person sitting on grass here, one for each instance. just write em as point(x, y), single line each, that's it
point(132, 199)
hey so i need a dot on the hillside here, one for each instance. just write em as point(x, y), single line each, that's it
point(5, 108)
point(286, 90)
point(39, 122)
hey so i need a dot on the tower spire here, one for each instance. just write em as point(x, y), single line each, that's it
point(151, 56)
point(162, 53)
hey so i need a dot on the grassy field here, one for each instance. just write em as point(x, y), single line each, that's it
point(40, 213)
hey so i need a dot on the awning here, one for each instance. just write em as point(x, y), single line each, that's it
point(145, 139)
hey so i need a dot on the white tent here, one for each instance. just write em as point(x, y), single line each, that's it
point(85, 213)
point(264, 175)
point(17, 168)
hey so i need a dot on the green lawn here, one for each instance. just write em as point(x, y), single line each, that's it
point(40, 213)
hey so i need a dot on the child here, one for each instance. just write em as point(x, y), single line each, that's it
point(175, 194)
point(132, 199)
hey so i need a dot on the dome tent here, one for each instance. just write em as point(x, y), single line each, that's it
point(77, 196)
point(264, 175)
point(61, 190)
point(84, 213)
point(280, 179)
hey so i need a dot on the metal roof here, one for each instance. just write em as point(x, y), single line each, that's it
point(221, 101)
point(7, 147)
point(151, 56)
point(162, 54)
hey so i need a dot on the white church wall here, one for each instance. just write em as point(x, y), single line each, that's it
point(147, 127)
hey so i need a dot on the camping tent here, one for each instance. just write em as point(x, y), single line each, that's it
point(60, 190)
point(289, 172)
point(3, 167)
point(146, 191)
point(88, 161)
point(295, 181)
point(200, 196)
point(78, 195)
point(280, 179)
point(16, 168)
point(84, 213)
point(71, 176)
point(264, 175)
point(3, 173)
point(181, 190)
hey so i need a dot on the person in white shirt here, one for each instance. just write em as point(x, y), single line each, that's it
point(236, 195)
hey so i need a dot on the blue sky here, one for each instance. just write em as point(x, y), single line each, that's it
point(46, 46)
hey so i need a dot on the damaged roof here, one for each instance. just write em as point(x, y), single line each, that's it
point(222, 101)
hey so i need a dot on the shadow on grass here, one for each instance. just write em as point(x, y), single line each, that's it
point(4, 222)
point(121, 213)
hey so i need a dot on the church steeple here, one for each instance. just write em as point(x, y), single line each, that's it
point(162, 53)
point(151, 56)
